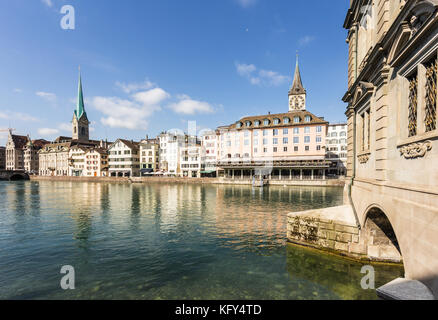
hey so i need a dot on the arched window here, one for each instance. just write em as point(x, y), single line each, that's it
point(276, 121)
point(256, 123)
point(239, 125)
point(266, 122)
point(248, 123)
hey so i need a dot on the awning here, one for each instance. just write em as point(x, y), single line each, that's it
point(210, 171)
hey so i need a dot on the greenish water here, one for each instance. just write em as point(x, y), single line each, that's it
point(166, 242)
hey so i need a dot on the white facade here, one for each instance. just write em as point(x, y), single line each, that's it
point(210, 151)
point(170, 148)
point(124, 159)
point(336, 149)
point(190, 162)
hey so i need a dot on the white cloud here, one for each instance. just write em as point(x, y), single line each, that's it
point(130, 113)
point(47, 132)
point(261, 77)
point(17, 90)
point(186, 105)
point(51, 97)
point(133, 87)
point(304, 41)
point(48, 3)
point(67, 127)
point(246, 3)
point(245, 69)
point(17, 116)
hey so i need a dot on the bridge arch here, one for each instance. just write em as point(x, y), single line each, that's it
point(380, 236)
point(18, 177)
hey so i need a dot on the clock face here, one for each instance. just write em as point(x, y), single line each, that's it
point(296, 103)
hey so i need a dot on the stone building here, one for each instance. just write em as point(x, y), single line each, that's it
point(15, 151)
point(2, 158)
point(284, 146)
point(96, 162)
point(336, 148)
point(124, 158)
point(392, 132)
point(31, 156)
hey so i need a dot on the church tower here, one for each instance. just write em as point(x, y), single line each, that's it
point(80, 121)
point(297, 94)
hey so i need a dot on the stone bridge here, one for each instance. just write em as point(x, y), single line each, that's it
point(10, 175)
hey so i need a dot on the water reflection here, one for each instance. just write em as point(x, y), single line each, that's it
point(163, 241)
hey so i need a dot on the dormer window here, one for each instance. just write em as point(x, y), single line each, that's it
point(276, 121)
point(266, 122)
point(286, 120)
point(297, 120)
point(248, 123)
point(308, 118)
point(256, 123)
point(239, 125)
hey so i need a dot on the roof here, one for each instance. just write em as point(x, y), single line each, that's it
point(297, 86)
point(80, 107)
point(39, 143)
point(19, 141)
point(129, 143)
point(98, 150)
point(291, 115)
point(62, 139)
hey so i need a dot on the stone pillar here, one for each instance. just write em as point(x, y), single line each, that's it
point(323, 174)
point(301, 174)
point(241, 174)
point(232, 173)
point(290, 174)
point(313, 174)
point(279, 174)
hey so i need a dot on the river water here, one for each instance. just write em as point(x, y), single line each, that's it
point(167, 241)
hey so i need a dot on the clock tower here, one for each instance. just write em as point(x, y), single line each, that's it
point(297, 94)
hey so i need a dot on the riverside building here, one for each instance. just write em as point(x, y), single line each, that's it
point(284, 146)
point(336, 148)
point(54, 158)
point(124, 158)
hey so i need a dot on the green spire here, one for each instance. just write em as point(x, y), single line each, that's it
point(80, 108)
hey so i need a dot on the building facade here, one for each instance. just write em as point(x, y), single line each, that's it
point(392, 131)
point(2, 158)
point(336, 148)
point(190, 161)
point(15, 151)
point(283, 146)
point(124, 158)
point(210, 153)
point(31, 156)
point(170, 152)
point(149, 156)
point(96, 162)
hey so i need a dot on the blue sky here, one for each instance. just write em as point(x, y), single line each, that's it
point(149, 66)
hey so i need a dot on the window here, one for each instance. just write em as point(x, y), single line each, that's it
point(296, 140)
point(431, 95)
point(307, 130)
point(255, 150)
point(318, 148)
point(296, 130)
point(276, 121)
point(307, 148)
point(256, 141)
point(265, 141)
point(265, 150)
point(239, 125)
point(285, 131)
point(285, 140)
point(307, 118)
point(265, 133)
point(246, 134)
point(296, 149)
point(248, 123)
point(334, 134)
point(275, 132)
point(319, 129)
point(318, 139)
point(256, 133)
point(307, 139)
point(266, 122)
point(296, 119)
point(246, 143)
point(275, 141)
point(412, 123)
point(286, 120)
point(257, 123)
